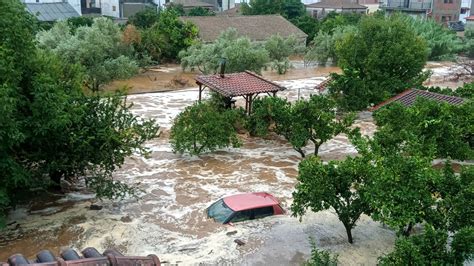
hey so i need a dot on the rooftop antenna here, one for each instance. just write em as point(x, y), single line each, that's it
point(222, 63)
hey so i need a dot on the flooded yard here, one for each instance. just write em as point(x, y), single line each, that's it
point(168, 218)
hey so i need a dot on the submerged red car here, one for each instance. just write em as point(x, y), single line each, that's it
point(243, 207)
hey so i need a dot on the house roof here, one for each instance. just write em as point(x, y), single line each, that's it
point(257, 28)
point(238, 84)
point(409, 97)
point(470, 18)
point(191, 3)
point(250, 201)
point(321, 87)
point(52, 11)
point(337, 4)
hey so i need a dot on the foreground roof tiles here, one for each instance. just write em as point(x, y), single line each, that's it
point(52, 11)
point(256, 28)
point(238, 84)
point(409, 97)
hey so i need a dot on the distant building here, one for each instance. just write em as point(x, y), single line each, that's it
point(215, 5)
point(321, 9)
point(116, 8)
point(49, 11)
point(257, 28)
point(466, 6)
point(442, 11)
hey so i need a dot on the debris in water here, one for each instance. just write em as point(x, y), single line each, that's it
point(239, 242)
point(126, 219)
point(95, 207)
point(231, 233)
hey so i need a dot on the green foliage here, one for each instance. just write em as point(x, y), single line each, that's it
point(98, 49)
point(176, 35)
point(320, 257)
point(200, 11)
point(442, 43)
point(313, 121)
point(338, 184)
point(382, 58)
point(427, 128)
point(144, 18)
point(202, 127)
point(240, 52)
point(430, 248)
point(290, 9)
point(339, 20)
point(279, 49)
point(50, 129)
point(308, 25)
point(176, 8)
point(469, 41)
point(76, 22)
point(265, 114)
point(323, 47)
point(466, 91)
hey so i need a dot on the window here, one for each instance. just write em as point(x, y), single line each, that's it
point(114, 8)
point(448, 1)
point(242, 216)
point(263, 212)
point(445, 18)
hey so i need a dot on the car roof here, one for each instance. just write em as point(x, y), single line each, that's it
point(248, 201)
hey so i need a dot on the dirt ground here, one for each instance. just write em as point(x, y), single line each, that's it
point(169, 220)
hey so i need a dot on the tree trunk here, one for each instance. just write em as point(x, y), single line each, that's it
point(349, 233)
point(316, 149)
point(407, 231)
point(300, 151)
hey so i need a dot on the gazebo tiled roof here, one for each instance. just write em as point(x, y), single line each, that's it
point(409, 97)
point(238, 84)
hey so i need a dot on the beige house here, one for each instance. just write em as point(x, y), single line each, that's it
point(256, 28)
point(321, 9)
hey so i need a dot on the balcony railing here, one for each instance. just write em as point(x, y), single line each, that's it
point(407, 5)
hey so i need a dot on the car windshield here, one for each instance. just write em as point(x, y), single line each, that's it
point(219, 211)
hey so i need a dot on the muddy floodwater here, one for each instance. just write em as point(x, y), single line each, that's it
point(168, 218)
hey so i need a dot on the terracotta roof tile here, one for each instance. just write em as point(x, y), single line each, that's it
point(321, 87)
point(238, 84)
point(409, 97)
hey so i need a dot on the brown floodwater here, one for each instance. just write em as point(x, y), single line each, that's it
point(168, 218)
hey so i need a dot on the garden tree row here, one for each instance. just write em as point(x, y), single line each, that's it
point(241, 54)
point(49, 128)
point(314, 120)
point(208, 126)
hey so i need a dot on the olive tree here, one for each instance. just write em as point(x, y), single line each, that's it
point(98, 49)
point(240, 52)
point(339, 185)
point(279, 49)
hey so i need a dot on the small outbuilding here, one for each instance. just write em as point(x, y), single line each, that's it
point(408, 98)
point(246, 84)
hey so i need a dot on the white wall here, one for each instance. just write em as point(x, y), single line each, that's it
point(110, 8)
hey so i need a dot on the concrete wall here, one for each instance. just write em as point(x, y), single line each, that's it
point(110, 8)
point(443, 11)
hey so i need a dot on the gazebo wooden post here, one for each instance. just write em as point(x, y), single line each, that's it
point(200, 91)
point(250, 97)
point(274, 94)
point(246, 103)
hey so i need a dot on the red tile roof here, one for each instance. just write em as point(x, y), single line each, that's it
point(238, 84)
point(409, 97)
point(321, 87)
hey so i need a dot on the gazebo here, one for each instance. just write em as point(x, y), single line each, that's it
point(246, 84)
